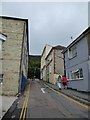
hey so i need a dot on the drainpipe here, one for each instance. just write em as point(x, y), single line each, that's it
point(64, 65)
point(54, 61)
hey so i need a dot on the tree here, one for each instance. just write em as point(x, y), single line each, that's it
point(34, 66)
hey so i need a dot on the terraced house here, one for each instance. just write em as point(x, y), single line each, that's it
point(77, 62)
point(45, 52)
point(14, 54)
point(52, 63)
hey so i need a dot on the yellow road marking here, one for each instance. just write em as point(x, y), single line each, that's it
point(23, 112)
point(26, 104)
point(71, 99)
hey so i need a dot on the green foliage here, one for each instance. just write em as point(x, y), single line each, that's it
point(34, 66)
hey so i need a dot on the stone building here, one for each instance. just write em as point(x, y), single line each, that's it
point(14, 54)
point(2, 39)
point(54, 64)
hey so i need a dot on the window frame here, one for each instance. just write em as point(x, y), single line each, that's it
point(73, 74)
point(1, 78)
point(72, 52)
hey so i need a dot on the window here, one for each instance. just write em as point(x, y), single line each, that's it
point(0, 47)
point(77, 74)
point(50, 70)
point(72, 52)
point(1, 78)
point(81, 73)
point(68, 76)
point(43, 73)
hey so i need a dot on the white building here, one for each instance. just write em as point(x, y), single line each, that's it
point(45, 52)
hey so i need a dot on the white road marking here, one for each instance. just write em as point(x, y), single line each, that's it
point(36, 79)
point(13, 116)
point(42, 89)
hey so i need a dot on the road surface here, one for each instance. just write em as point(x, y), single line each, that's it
point(45, 103)
point(40, 101)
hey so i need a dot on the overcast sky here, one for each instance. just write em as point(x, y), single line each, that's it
point(50, 23)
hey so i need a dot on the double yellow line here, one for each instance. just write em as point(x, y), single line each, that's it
point(24, 108)
point(71, 99)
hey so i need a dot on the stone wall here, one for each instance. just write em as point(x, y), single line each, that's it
point(0, 57)
point(11, 53)
point(59, 62)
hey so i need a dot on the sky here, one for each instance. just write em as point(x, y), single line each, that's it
point(50, 23)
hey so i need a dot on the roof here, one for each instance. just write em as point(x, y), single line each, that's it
point(21, 19)
point(77, 39)
point(3, 34)
point(13, 18)
point(58, 47)
point(45, 48)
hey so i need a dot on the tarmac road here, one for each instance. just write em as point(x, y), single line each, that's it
point(45, 103)
point(39, 101)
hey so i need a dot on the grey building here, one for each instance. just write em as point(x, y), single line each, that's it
point(77, 62)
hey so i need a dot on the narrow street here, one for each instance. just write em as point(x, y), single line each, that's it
point(45, 103)
point(39, 101)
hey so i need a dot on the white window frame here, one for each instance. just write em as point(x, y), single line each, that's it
point(72, 52)
point(73, 73)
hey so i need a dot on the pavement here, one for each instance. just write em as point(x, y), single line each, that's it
point(80, 96)
point(5, 103)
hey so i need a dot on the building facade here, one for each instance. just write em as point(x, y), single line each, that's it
point(45, 52)
point(2, 39)
point(14, 54)
point(54, 64)
point(77, 62)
